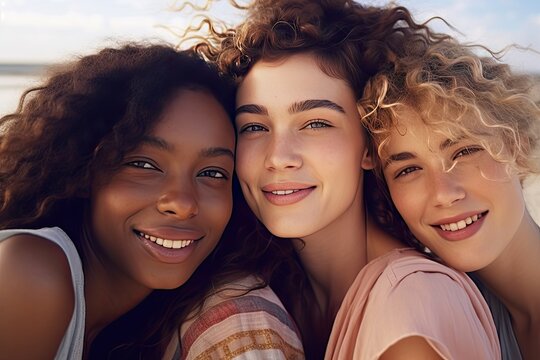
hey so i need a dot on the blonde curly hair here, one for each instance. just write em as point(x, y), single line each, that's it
point(457, 93)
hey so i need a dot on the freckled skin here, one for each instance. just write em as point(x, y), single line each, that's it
point(476, 183)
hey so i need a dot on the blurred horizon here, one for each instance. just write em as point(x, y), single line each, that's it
point(37, 34)
point(55, 31)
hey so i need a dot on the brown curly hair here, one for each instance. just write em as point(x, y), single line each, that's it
point(351, 42)
point(88, 114)
point(456, 93)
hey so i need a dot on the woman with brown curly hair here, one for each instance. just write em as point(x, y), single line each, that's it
point(301, 157)
point(115, 180)
point(456, 134)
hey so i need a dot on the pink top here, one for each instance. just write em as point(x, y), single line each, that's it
point(404, 294)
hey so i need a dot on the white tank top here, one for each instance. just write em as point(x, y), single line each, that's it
point(71, 347)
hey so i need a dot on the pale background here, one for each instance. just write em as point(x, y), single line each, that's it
point(51, 31)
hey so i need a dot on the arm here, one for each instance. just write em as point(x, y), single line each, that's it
point(413, 347)
point(253, 325)
point(37, 297)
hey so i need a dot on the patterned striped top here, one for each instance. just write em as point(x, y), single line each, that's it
point(236, 323)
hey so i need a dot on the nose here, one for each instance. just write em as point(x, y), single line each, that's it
point(447, 188)
point(282, 153)
point(179, 201)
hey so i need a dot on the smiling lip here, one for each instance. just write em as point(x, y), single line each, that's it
point(168, 244)
point(286, 193)
point(460, 227)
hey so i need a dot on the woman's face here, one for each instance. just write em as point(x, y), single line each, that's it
point(157, 218)
point(300, 148)
point(456, 199)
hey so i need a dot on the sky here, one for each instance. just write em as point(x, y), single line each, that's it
point(48, 31)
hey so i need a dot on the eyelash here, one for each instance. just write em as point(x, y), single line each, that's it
point(406, 171)
point(141, 164)
point(469, 150)
point(216, 174)
point(252, 128)
point(320, 124)
point(314, 125)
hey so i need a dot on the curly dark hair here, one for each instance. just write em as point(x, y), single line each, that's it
point(351, 42)
point(89, 114)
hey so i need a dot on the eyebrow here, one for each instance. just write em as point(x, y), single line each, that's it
point(216, 152)
point(207, 152)
point(296, 107)
point(315, 104)
point(448, 143)
point(157, 142)
point(252, 109)
point(402, 156)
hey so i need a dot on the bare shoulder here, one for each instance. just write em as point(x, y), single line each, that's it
point(37, 289)
point(412, 347)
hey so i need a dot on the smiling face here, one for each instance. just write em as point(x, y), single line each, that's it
point(157, 218)
point(456, 199)
point(301, 147)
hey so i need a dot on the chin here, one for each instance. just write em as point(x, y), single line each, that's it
point(286, 231)
point(171, 283)
point(465, 265)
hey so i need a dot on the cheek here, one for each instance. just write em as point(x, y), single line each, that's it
point(340, 155)
point(493, 171)
point(218, 208)
point(408, 206)
point(107, 203)
point(247, 161)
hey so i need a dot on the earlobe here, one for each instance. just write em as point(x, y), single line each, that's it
point(367, 160)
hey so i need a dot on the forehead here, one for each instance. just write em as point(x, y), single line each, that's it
point(294, 78)
point(195, 114)
point(408, 131)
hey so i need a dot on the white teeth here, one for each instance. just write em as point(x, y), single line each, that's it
point(170, 244)
point(283, 192)
point(461, 224)
point(178, 244)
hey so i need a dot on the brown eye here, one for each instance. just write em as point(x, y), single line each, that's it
point(213, 173)
point(142, 164)
point(406, 171)
point(468, 151)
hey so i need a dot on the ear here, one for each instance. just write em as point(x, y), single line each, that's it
point(367, 160)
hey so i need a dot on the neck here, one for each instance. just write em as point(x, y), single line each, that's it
point(107, 298)
point(333, 257)
point(514, 276)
